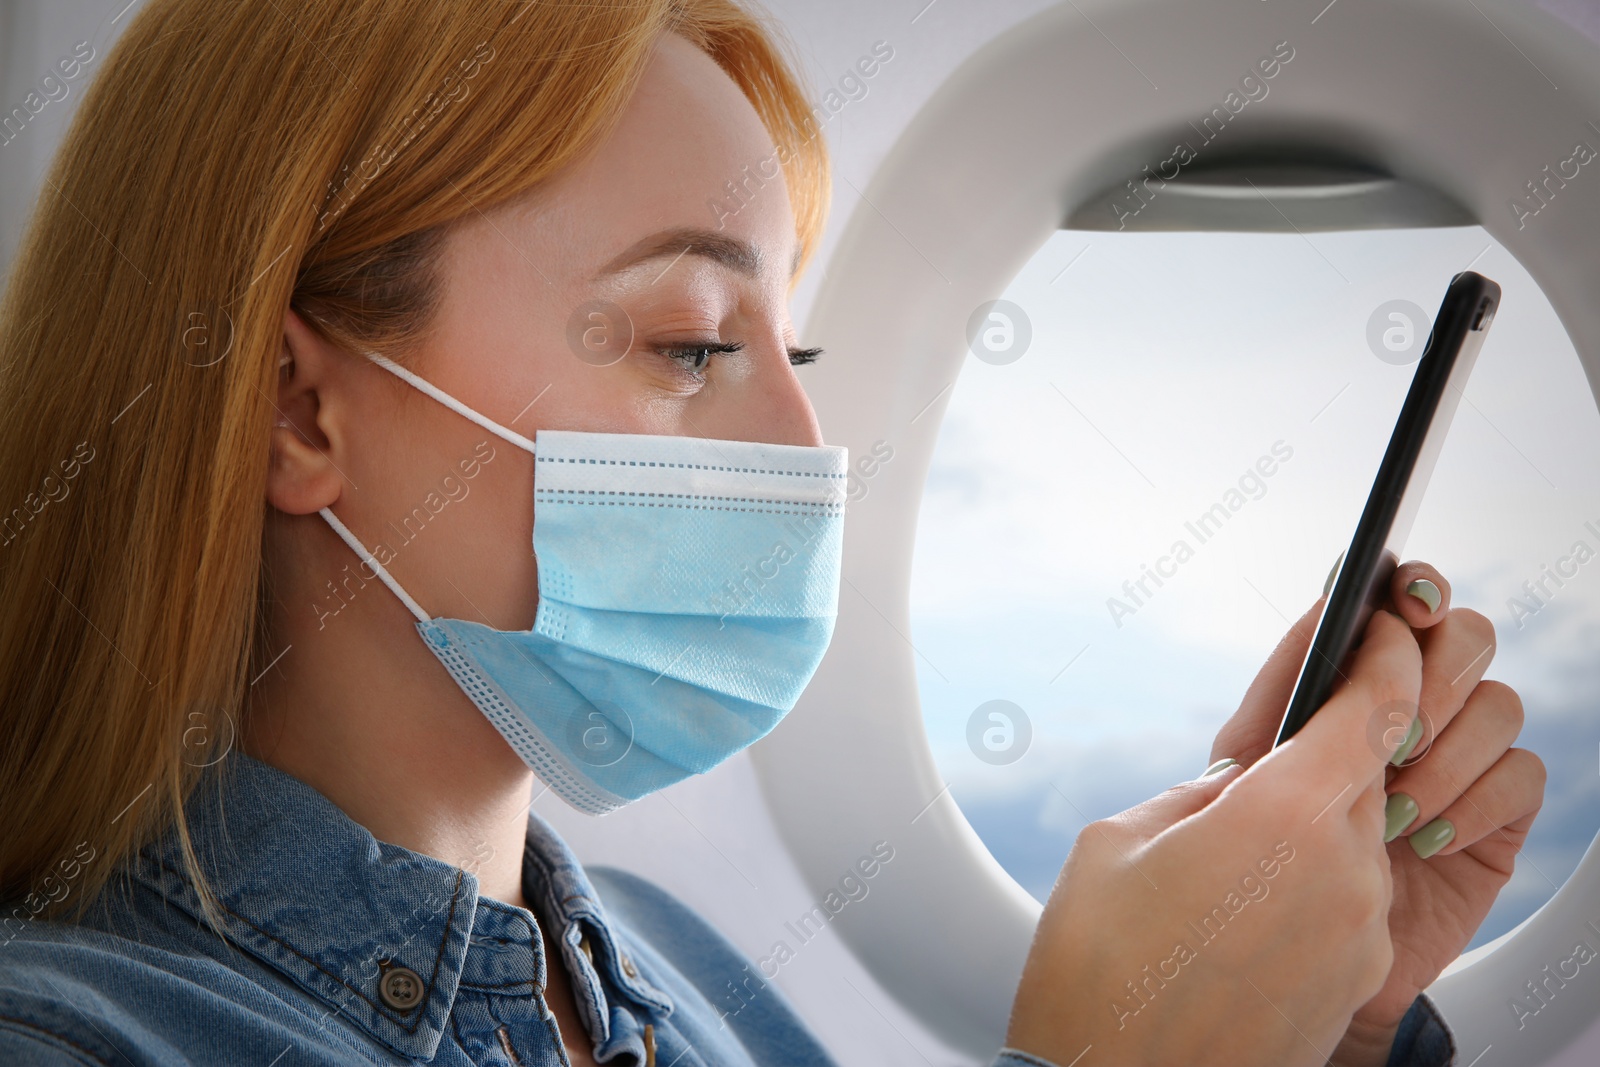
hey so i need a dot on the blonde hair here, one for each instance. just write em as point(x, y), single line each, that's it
point(229, 162)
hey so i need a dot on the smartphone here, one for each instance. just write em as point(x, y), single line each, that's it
point(1369, 563)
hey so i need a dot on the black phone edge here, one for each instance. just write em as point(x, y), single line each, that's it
point(1469, 302)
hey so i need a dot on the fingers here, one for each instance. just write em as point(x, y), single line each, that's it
point(1475, 740)
point(1456, 651)
point(1419, 593)
point(1498, 849)
point(1335, 750)
point(1506, 795)
point(1367, 813)
point(1144, 821)
point(1249, 732)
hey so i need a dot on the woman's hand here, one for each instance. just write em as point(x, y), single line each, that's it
point(1238, 919)
point(1461, 770)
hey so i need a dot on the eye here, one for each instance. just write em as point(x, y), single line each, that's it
point(696, 356)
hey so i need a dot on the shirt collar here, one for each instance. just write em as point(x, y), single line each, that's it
point(555, 883)
point(310, 892)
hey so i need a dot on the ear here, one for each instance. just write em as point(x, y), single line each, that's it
point(302, 477)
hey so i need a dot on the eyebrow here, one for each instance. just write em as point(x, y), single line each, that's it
point(737, 255)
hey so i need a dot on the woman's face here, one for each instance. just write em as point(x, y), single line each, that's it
point(514, 340)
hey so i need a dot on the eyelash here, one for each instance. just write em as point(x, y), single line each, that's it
point(692, 356)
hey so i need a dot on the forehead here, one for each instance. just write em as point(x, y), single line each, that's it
point(687, 142)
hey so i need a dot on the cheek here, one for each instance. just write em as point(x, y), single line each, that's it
point(392, 445)
point(471, 557)
point(490, 540)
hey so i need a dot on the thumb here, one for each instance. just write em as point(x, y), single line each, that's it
point(1249, 733)
point(1170, 807)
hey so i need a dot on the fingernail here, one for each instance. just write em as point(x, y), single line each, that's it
point(1413, 735)
point(1397, 815)
point(1432, 837)
point(1327, 585)
point(1219, 766)
point(1426, 592)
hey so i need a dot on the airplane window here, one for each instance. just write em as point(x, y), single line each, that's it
point(1156, 448)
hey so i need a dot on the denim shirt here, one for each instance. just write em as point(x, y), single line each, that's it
point(343, 949)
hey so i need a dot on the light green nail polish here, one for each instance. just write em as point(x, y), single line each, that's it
point(1413, 735)
point(1219, 766)
point(1327, 585)
point(1426, 592)
point(1398, 814)
point(1432, 837)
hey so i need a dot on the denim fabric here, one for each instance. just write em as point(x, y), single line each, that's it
point(317, 912)
point(1422, 1041)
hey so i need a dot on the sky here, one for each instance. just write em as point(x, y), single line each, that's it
point(1165, 370)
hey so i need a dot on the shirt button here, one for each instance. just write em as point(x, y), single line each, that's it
point(628, 968)
point(400, 988)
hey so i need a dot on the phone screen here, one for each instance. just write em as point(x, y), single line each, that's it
point(1368, 565)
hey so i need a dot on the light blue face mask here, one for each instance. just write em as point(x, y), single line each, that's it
point(687, 591)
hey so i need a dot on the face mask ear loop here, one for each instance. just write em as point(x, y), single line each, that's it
point(510, 436)
point(367, 557)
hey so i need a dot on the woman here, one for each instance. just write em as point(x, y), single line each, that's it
point(278, 667)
